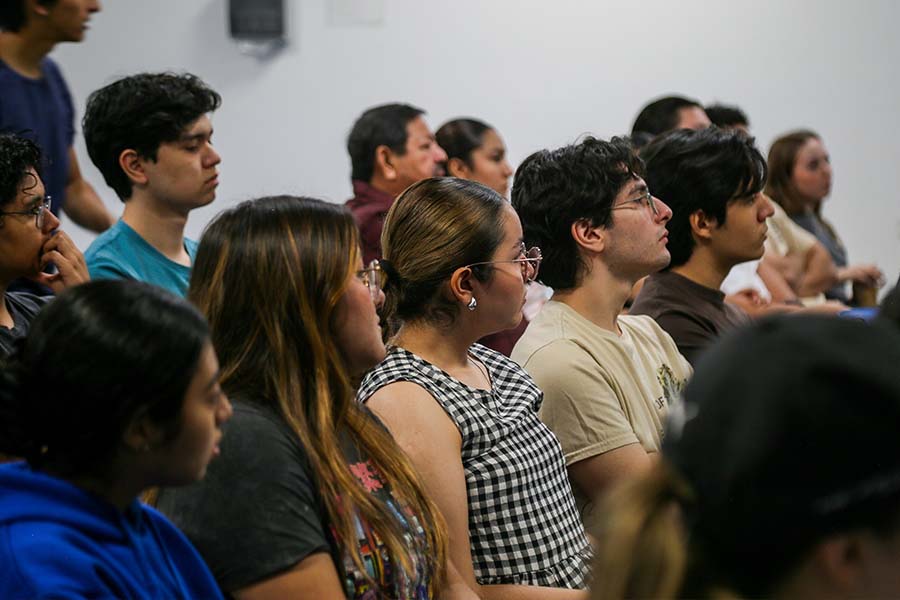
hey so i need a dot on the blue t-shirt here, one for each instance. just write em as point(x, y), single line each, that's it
point(41, 110)
point(59, 541)
point(120, 253)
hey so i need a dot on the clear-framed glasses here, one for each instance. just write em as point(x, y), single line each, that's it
point(374, 278)
point(530, 262)
point(38, 211)
point(645, 199)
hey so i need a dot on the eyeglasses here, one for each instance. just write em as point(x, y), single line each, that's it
point(374, 278)
point(530, 261)
point(645, 198)
point(37, 212)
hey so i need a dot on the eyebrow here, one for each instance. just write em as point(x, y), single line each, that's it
point(200, 135)
point(638, 187)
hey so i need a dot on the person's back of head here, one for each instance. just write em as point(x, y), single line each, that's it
point(706, 170)
point(555, 188)
point(668, 113)
point(434, 228)
point(727, 117)
point(139, 113)
point(781, 475)
point(99, 357)
point(384, 125)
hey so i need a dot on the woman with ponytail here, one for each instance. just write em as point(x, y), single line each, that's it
point(312, 497)
point(114, 390)
point(777, 481)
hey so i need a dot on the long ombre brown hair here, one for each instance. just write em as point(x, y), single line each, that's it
point(267, 276)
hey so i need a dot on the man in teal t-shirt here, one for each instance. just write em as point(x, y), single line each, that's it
point(150, 136)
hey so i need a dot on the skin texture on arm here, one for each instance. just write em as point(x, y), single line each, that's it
point(313, 577)
point(83, 205)
point(596, 474)
point(433, 443)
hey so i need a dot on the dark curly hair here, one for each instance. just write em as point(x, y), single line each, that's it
point(701, 170)
point(141, 112)
point(555, 188)
point(17, 156)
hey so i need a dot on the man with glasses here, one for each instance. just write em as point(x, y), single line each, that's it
point(608, 379)
point(29, 240)
point(713, 180)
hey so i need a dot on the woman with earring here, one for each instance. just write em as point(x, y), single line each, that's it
point(312, 497)
point(115, 390)
point(466, 415)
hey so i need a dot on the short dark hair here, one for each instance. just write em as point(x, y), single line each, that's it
point(17, 156)
point(138, 347)
point(141, 112)
point(661, 115)
point(701, 170)
point(12, 14)
point(726, 116)
point(553, 189)
point(383, 125)
point(460, 137)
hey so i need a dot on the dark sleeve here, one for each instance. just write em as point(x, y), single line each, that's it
point(68, 106)
point(690, 335)
point(257, 512)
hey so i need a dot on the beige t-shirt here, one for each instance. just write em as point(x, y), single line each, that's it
point(601, 391)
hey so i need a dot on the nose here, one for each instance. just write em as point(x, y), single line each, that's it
point(213, 158)
point(663, 212)
point(437, 153)
point(507, 170)
point(95, 7)
point(379, 298)
point(50, 222)
point(766, 209)
point(225, 410)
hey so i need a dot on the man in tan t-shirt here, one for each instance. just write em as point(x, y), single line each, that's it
point(608, 380)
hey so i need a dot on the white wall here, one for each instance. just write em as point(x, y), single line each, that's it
point(542, 72)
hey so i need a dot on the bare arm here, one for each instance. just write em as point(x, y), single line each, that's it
point(594, 475)
point(83, 205)
point(434, 446)
point(313, 577)
point(819, 274)
point(776, 283)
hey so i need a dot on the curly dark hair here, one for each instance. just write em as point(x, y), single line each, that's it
point(701, 170)
point(141, 112)
point(555, 188)
point(17, 156)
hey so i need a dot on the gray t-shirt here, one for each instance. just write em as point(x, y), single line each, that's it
point(23, 307)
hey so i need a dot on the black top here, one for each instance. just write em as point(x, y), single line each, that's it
point(23, 307)
point(258, 512)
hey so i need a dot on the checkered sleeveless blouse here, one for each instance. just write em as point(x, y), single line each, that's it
point(523, 524)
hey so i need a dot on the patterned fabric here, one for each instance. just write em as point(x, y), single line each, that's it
point(523, 524)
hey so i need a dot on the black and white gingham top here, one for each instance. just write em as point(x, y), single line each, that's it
point(523, 524)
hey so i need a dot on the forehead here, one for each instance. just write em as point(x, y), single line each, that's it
point(692, 117)
point(202, 126)
point(490, 140)
point(30, 186)
point(418, 129)
point(811, 147)
point(633, 187)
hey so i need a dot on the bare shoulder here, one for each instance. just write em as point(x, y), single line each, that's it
point(410, 412)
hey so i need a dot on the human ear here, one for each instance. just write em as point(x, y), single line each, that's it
point(840, 563)
point(588, 236)
point(456, 167)
point(384, 162)
point(142, 434)
point(461, 285)
point(702, 225)
point(133, 166)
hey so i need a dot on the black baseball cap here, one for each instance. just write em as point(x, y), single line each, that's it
point(790, 432)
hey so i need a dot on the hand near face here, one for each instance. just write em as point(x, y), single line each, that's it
point(70, 265)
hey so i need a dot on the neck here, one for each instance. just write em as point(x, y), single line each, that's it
point(599, 298)
point(447, 349)
point(381, 184)
point(161, 227)
point(705, 269)
point(23, 51)
point(119, 490)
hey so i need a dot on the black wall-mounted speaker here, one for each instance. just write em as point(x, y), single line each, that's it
point(256, 19)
